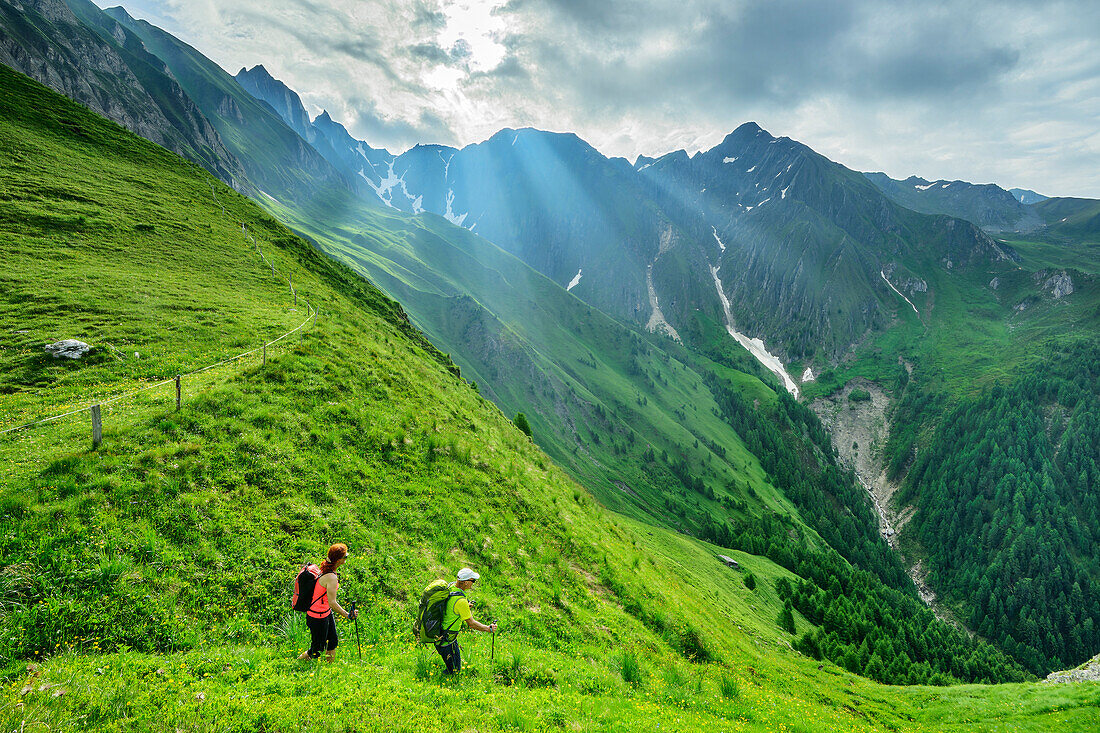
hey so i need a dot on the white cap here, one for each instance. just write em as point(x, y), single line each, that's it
point(467, 574)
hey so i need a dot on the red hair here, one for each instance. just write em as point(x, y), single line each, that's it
point(335, 553)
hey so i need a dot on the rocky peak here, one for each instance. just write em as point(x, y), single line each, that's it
point(258, 82)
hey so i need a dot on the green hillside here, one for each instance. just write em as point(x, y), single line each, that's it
point(144, 584)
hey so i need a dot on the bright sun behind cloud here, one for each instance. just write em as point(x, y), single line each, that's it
point(472, 37)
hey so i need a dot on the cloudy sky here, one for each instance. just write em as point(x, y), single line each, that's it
point(1005, 92)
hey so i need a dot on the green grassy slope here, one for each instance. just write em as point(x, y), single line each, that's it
point(1071, 218)
point(533, 347)
point(149, 578)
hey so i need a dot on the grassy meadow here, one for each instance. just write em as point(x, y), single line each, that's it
point(145, 584)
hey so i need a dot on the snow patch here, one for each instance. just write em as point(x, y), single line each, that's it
point(923, 188)
point(721, 244)
point(729, 160)
point(750, 170)
point(515, 138)
point(450, 215)
point(572, 283)
point(377, 189)
point(808, 375)
point(783, 193)
point(755, 346)
point(770, 361)
point(386, 186)
point(945, 185)
point(645, 166)
point(881, 272)
point(446, 164)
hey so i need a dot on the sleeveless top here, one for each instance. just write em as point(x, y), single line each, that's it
point(319, 608)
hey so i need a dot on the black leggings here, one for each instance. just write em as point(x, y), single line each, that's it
point(452, 656)
point(322, 634)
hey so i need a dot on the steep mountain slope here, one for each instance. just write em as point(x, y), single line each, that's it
point(819, 257)
point(329, 138)
point(149, 577)
point(634, 421)
point(989, 206)
point(77, 50)
point(275, 159)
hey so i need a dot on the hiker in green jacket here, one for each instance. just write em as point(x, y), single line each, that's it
point(458, 611)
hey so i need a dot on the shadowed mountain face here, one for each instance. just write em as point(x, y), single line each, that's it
point(79, 51)
point(327, 137)
point(796, 245)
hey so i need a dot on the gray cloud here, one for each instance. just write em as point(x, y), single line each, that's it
point(996, 90)
point(363, 116)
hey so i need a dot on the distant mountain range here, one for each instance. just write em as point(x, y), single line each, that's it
point(649, 242)
point(989, 206)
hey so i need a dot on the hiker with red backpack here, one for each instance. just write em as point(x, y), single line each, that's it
point(443, 611)
point(315, 591)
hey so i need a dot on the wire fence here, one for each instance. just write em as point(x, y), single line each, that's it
point(95, 406)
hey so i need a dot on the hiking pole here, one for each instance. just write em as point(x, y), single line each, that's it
point(493, 648)
point(356, 619)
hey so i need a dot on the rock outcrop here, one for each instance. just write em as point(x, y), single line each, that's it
point(81, 52)
point(1058, 283)
point(1087, 672)
point(68, 349)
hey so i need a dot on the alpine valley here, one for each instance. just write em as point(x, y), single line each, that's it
point(879, 397)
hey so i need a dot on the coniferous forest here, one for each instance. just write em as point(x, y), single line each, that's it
point(1009, 501)
point(881, 631)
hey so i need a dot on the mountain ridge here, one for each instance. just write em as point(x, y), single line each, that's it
point(145, 97)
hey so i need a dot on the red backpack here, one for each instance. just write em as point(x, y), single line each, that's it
point(304, 585)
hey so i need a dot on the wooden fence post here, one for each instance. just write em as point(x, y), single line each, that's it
point(177, 393)
point(97, 427)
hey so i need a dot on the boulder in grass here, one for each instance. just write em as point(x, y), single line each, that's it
point(69, 348)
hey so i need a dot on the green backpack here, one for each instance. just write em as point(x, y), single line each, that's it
point(432, 611)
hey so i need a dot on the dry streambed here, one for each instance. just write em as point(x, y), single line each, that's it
point(859, 430)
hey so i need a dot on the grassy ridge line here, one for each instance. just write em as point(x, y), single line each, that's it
point(81, 233)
